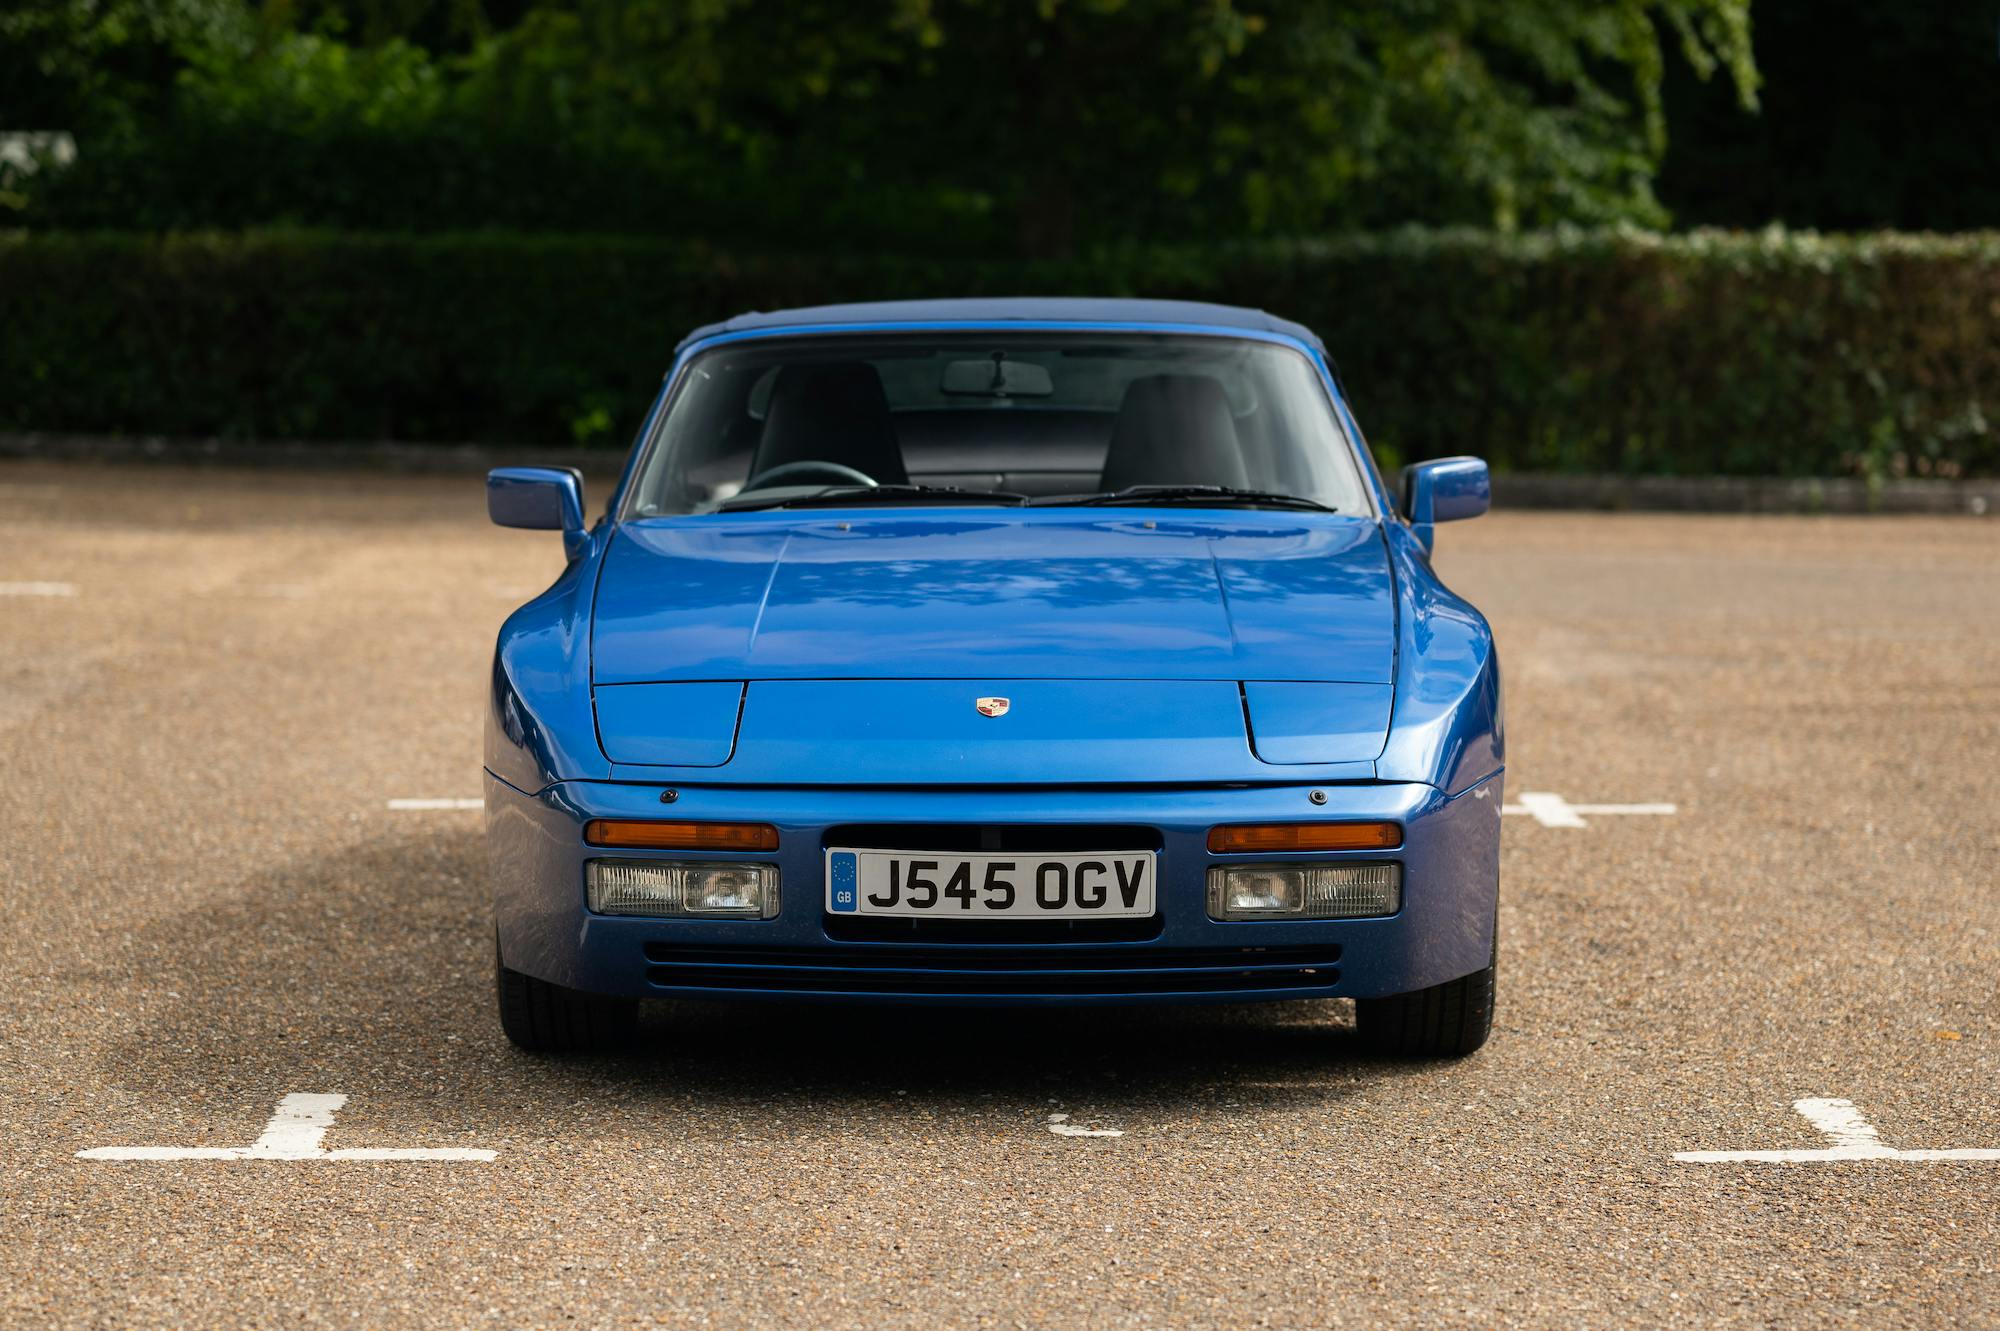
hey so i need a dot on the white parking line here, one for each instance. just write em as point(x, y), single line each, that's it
point(422, 805)
point(37, 589)
point(294, 1133)
point(1552, 810)
point(1060, 1125)
point(1852, 1136)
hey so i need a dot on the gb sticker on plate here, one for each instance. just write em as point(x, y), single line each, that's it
point(840, 882)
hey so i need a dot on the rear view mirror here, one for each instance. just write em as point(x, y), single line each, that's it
point(540, 499)
point(1444, 490)
point(996, 376)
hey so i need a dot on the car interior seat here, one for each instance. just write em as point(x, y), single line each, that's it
point(835, 412)
point(1174, 429)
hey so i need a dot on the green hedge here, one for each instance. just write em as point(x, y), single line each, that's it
point(1748, 354)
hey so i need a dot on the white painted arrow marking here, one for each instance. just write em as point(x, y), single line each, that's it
point(1853, 1138)
point(423, 805)
point(294, 1133)
point(296, 1130)
point(1552, 810)
point(1060, 1125)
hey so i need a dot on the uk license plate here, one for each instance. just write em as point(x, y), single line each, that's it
point(1010, 885)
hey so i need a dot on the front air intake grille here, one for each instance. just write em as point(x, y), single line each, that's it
point(958, 971)
point(888, 929)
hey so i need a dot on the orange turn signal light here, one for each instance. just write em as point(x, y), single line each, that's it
point(637, 834)
point(1263, 838)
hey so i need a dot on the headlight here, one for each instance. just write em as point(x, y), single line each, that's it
point(679, 888)
point(1304, 891)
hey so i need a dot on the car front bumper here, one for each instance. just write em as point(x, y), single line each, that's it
point(1450, 859)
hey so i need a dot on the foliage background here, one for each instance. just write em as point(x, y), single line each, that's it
point(1761, 353)
point(1037, 127)
point(490, 219)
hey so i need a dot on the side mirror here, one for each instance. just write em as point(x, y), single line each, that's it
point(1444, 490)
point(540, 499)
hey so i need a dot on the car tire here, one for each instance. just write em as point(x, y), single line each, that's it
point(1448, 1020)
point(547, 1018)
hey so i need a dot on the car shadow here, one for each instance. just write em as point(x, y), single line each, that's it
point(369, 972)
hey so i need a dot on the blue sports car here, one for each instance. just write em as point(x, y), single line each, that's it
point(997, 651)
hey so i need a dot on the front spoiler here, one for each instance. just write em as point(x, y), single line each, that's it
point(1444, 930)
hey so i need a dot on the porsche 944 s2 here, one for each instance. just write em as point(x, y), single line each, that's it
point(997, 651)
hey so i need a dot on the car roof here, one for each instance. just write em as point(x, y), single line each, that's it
point(1010, 309)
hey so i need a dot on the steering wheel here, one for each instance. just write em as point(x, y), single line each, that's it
point(791, 473)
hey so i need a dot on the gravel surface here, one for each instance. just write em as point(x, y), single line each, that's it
point(208, 906)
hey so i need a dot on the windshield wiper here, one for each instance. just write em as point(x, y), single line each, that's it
point(1216, 496)
point(834, 495)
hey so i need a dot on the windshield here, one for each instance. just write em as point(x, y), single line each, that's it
point(996, 417)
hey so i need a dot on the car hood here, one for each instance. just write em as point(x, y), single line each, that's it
point(1077, 594)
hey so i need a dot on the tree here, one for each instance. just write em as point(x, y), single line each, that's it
point(1040, 126)
point(98, 64)
point(1872, 115)
point(1107, 119)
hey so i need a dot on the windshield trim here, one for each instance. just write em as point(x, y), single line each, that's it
point(619, 508)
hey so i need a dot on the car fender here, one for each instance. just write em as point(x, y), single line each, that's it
point(539, 725)
point(1447, 728)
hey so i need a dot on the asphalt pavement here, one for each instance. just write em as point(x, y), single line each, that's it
point(214, 684)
